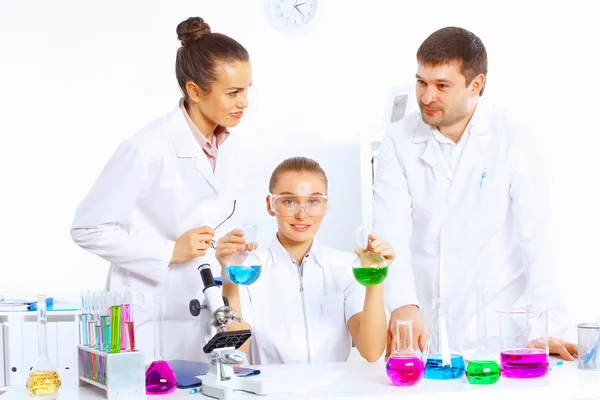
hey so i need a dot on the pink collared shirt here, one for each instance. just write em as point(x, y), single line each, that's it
point(210, 148)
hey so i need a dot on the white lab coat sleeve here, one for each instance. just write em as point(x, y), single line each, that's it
point(531, 199)
point(354, 295)
point(102, 221)
point(392, 220)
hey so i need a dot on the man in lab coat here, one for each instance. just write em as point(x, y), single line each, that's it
point(460, 193)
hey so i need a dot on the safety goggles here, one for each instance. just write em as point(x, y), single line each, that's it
point(288, 205)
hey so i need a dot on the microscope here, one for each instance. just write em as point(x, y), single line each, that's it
point(221, 348)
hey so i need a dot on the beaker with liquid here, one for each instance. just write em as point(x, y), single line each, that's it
point(442, 357)
point(369, 268)
point(404, 367)
point(482, 368)
point(244, 267)
point(524, 343)
point(43, 379)
point(160, 378)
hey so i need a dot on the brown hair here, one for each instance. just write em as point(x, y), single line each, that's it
point(296, 164)
point(455, 44)
point(200, 52)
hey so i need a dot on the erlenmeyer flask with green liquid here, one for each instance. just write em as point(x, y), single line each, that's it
point(369, 268)
point(483, 368)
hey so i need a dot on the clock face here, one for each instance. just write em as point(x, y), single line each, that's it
point(294, 12)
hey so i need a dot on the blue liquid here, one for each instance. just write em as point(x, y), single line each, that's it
point(435, 369)
point(243, 274)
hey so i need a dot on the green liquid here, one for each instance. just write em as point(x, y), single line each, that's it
point(483, 372)
point(369, 276)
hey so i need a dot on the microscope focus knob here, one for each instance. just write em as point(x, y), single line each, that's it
point(195, 307)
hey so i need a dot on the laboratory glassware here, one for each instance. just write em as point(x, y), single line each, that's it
point(442, 357)
point(369, 268)
point(482, 369)
point(404, 367)
point(43, 379)
point(160, 378)
point(244, 267)
point(524, 343)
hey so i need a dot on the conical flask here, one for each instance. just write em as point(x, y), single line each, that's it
point(160, 378)
point(483, 368)
point(369, 268)
point(404, 367)
point(43, 379)
point(244, 267)
point(442, 357)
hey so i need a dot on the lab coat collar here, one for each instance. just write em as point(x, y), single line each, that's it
point(186, 146)
point(480, 123)
point(280, 254)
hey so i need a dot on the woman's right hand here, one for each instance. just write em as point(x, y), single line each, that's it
point(230, 244)
point(192, 244)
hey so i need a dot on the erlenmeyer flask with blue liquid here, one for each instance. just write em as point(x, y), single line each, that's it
point(442, 357)
point(244, 267)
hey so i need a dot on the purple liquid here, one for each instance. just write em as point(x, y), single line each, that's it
point(160, 378)
point(524, 363)
point(404, 371)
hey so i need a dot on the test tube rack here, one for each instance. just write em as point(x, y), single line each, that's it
point(120, 375)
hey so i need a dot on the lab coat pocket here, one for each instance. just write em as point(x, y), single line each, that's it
point(334, 341)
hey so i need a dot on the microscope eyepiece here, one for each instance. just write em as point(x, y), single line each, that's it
point(206, 275)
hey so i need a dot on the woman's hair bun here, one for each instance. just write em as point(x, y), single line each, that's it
point(191, 30)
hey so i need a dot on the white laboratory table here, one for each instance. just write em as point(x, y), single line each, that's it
point(362, 380)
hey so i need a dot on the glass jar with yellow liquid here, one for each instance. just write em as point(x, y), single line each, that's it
point(43, 379)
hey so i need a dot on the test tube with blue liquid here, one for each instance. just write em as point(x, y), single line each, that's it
point(86, 317)
point(244, 267)
point(442, 357)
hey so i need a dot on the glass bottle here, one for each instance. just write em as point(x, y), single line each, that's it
point(43, 379)
point(404, 367)
point(244, 267)
point(160, 378)
point(483, 368)
point(369, 268)
point(442, 357)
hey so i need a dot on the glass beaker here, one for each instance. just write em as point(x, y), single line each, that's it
point(588, 346)
point(442, 357)
point(482, 368)
point(244, 267)
point(160, 378)
point(524, 343)
point(43, 379)
point(404, 367)
point(369, 268)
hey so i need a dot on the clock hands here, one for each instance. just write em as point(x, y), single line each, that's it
point(297, 9)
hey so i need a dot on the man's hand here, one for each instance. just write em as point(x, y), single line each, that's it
point(412, 313)
point(557, 346)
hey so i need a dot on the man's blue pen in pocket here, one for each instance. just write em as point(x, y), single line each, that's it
point(483, 175)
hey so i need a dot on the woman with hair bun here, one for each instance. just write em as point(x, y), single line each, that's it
point(153, 210)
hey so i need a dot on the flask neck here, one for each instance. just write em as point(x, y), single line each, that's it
point(157, 328)
point(42, 327)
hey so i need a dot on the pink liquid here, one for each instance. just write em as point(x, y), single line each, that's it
point(524, 363)
point(160, 378)
point(404, 371)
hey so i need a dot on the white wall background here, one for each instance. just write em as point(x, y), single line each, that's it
point(77, 78)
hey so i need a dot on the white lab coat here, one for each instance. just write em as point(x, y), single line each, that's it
point(487, 223)
point(158, 185)
point(298, 319)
